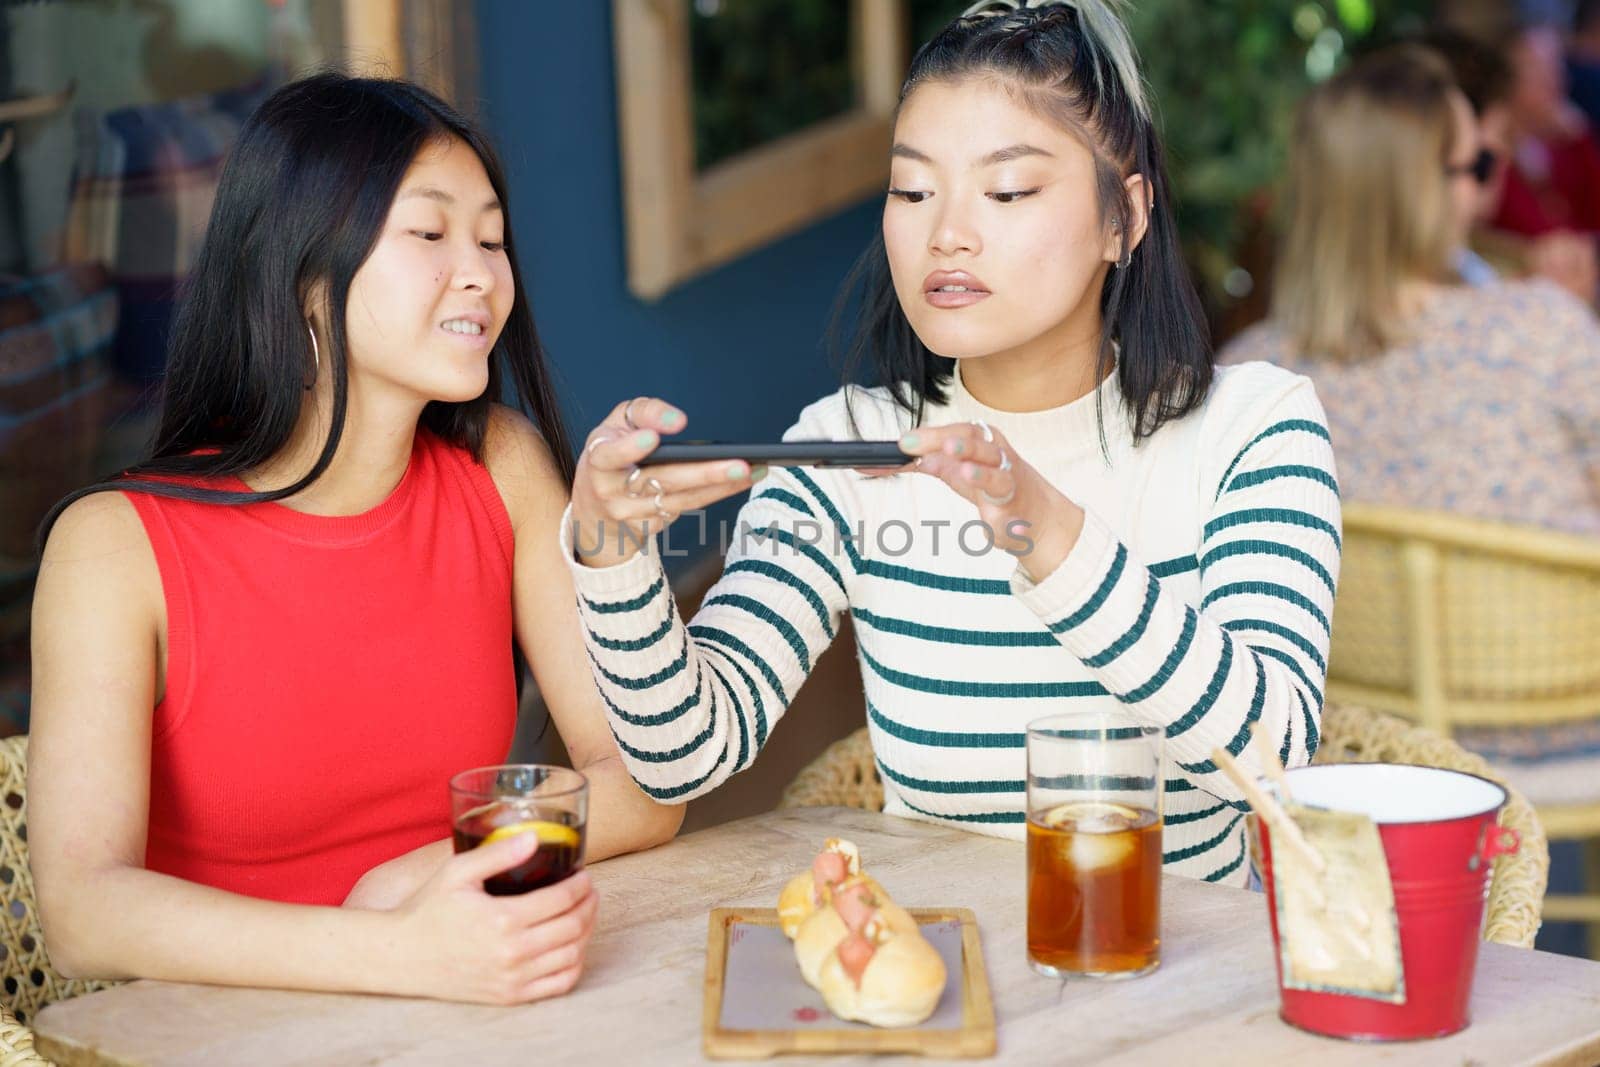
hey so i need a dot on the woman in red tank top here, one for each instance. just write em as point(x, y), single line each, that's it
point(260, 653)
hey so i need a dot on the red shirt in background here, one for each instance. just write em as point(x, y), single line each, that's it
point(1568, 197)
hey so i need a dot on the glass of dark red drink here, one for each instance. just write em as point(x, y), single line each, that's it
point(491, 803)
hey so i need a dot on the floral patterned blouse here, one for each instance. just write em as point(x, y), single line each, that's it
point(1491, 409)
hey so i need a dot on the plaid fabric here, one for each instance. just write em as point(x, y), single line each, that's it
point(55, 339)
point(55, 389)
point(142, 192)
point(54, 336)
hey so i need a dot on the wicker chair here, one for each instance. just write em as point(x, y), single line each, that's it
point(28, 980)
point(1466, 626)
point(1353, 734)
point(845, 776)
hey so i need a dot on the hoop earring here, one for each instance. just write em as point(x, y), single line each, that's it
point(1127, 253)
point(316, 357)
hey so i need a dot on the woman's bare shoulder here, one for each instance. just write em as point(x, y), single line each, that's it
point(98, 530)
point(522, 466)
point(98, 572)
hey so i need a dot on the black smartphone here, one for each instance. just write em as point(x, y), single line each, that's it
point(785, 454)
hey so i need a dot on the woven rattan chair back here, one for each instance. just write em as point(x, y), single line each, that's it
point(1453, 621)
point(27, 981)
point(1352, 734)
point(844, 776)
point(1460, 622)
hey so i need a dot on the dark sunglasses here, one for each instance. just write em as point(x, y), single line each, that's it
point(1481, 168)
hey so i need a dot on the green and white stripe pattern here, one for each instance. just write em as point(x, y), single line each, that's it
point(1198, 597)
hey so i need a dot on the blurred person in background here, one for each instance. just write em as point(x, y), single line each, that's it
point(1553, 183)
point(1483, 72)
point(1439, 395)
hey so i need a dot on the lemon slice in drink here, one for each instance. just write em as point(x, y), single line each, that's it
point(550, 833)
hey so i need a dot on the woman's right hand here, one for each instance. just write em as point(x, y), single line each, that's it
point(463, 944)
point(617, 505)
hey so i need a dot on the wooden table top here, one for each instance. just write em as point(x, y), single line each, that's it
point(1213, 1001)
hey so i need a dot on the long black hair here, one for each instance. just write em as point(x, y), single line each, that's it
point(1073, 61)
point(301, 202)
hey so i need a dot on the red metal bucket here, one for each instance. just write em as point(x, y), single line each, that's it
point(1439, 833)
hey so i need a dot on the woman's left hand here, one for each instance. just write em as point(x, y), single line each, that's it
point(1028, 517)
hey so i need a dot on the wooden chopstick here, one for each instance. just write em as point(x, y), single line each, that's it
point(1269, 809)
point(1269, 760)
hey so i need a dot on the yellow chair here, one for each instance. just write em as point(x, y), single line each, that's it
point(845, 776)
point(1480, 630)
point(28, 981)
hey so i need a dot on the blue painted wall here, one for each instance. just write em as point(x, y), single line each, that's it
point(739, 349)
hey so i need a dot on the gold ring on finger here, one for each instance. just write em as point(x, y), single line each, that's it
point(596, 443)
point(627, 414)
point(999, 501)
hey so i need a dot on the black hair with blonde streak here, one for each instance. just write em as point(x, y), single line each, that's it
point(1074, 63)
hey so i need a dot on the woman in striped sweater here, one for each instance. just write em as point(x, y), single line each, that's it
point(1095, 519)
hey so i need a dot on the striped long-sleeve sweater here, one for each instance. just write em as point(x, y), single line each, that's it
point(1198, 597)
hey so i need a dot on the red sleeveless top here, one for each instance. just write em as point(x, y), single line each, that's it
point(325, 677)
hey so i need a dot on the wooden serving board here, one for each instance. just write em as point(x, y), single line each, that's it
point(960, 1029)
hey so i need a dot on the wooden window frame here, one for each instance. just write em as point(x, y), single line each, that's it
point(682, 221)
point(432, 42)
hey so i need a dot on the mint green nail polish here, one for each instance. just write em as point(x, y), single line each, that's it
point(671, 419)
point(758, 474)
point(910, 440)
point(643, 439)
point(958, 446)
point(735, 471)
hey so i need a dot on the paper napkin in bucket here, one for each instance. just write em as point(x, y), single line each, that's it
point(1337, 931)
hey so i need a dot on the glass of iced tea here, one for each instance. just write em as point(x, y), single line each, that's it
point(491, 803)
point(1094, 845)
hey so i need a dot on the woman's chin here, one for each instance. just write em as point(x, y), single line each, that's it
point(955, 339)
point(457, 390)
point(959, 344)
